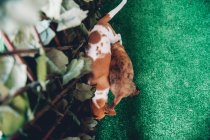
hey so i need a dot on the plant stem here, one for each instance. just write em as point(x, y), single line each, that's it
point(33, 51)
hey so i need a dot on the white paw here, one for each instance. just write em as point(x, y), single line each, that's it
point(120, 38)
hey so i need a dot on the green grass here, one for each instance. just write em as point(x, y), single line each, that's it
point(169, 44)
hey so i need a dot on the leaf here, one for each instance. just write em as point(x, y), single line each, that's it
point(20, 104)
point(74, 70)
point(84, 136)
point(87, 1)
point(42, 68)
point(71, 18)
point(83, 92)
point(17, 78)
point(69, 4)
point(10, 120)
point(90, 123)
point(72, 138)
point(6, 65)
point(52, 9)
point(57, 61)
point(4, 91)
point(77, 68)
point(24, 38)
point(74, 117)
point(2, 46)
point(46, 33)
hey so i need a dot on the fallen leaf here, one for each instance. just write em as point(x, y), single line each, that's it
point(84, 136)
point(72, 138)
point(10, 120)
point(87, 1)
point(20, 104)
point(83, 92)
point(89, 124)
point(45, 32)
point(4, 91)
point(52, 9)
point(77, 68)
point(6, 65)
point(71, 18)
point(69, 4)
point(74, 117)
point(57, 61)
point(17, 78)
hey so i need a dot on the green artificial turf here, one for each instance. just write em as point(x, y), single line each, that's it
point(169, 44)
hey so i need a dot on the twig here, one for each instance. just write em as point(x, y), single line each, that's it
point(57, 42)
point(54, 102)
point(18, 58)
point(56, 124)
point(33, 51)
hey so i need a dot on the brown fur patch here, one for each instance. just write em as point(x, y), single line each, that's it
point(100, 72)
point(94, 37)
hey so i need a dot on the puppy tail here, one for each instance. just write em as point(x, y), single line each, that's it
point(112, 13)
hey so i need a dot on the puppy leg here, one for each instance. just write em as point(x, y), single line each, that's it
point(100, 94)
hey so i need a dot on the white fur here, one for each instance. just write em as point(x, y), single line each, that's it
point(100, 94)
point(107, 40)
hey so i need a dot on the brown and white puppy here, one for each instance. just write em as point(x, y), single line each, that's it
point(121, 75)
point(99, 50)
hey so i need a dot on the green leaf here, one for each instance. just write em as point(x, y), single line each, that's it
point(74, 70)
point(57, 61)
point(24, 39)
point(42, 68)
point(84, 136)
point(20, 104)
point(4, 91)
point(2, 46)
point(72, 138)
point(83, 92)
point(10, 120)
point(46, 33)
point(6, 65)
point(77, 68)
point(71, 18)
point(17, 78)
point(69, 4)
point(74, 117)
point(89, 124)
point(87, 1)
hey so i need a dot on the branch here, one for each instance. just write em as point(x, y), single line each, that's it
point(46, 137)
point(33, 51)
point(54, 102)
point(18, 58)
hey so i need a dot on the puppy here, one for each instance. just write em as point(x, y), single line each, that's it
point(121, 75)
point(99, 50)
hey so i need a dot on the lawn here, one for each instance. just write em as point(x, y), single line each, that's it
point(169, 44)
